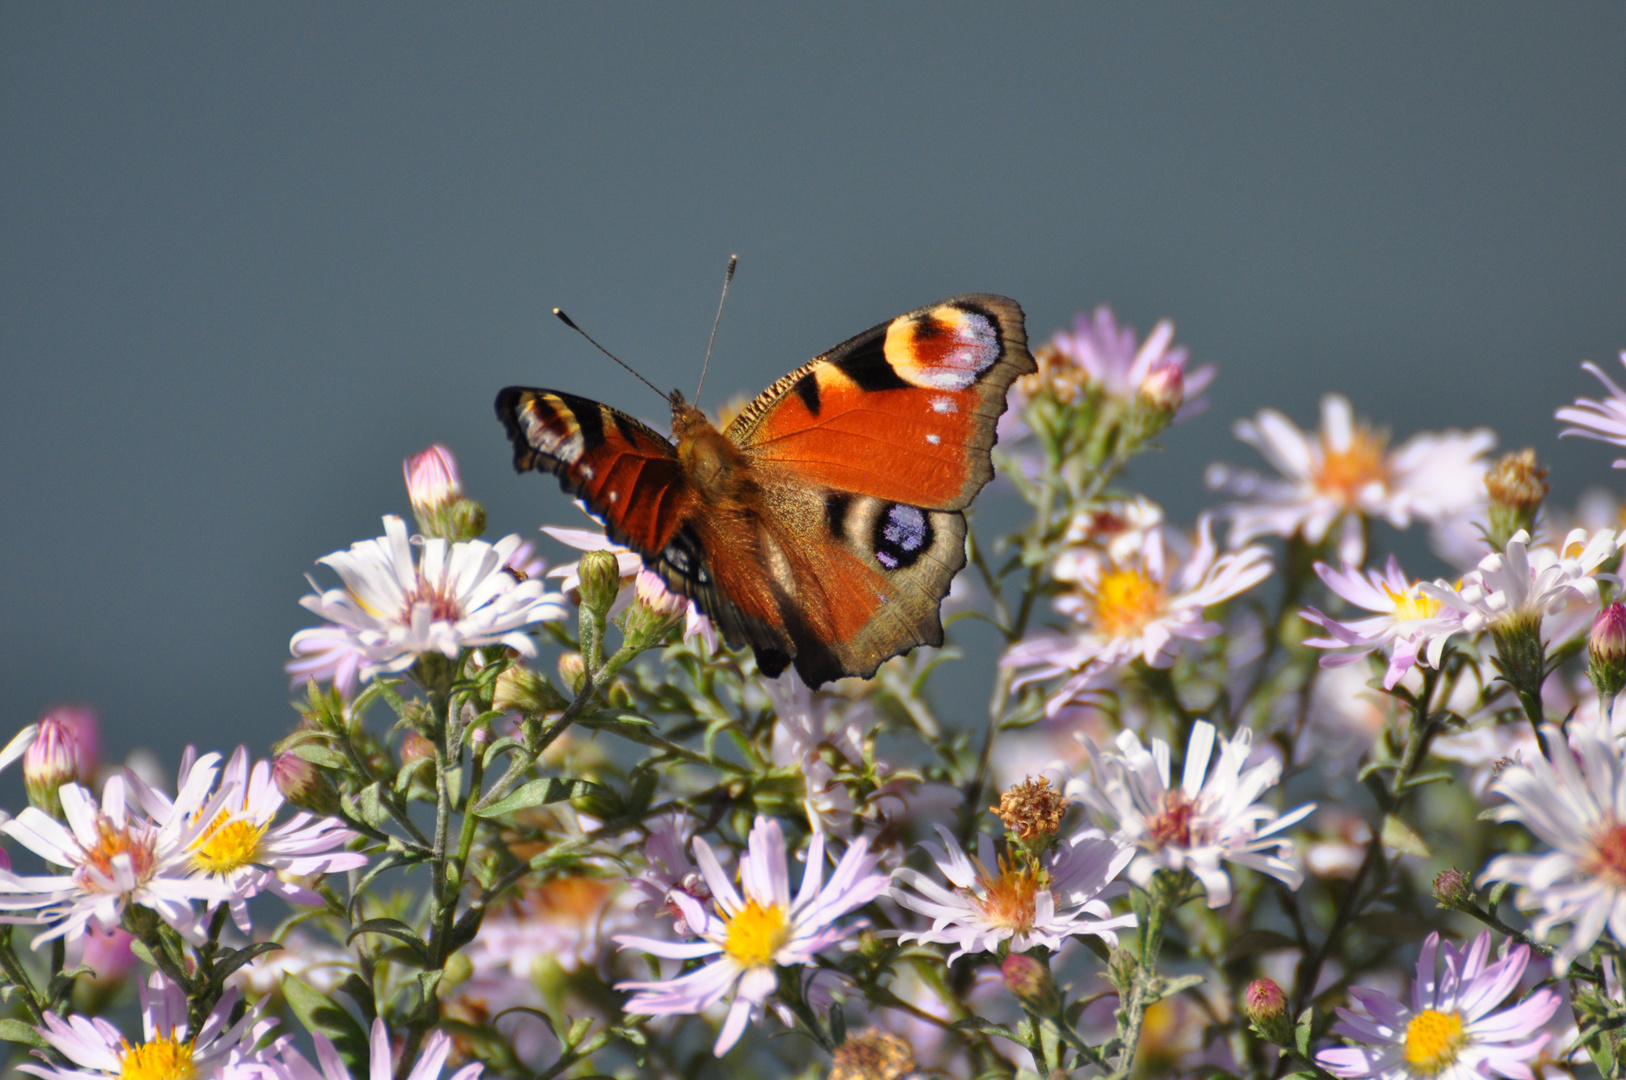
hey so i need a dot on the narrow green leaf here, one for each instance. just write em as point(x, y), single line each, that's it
point(537, 792)
point(396, 929)
point(317, 754)
point(18, 1032)
point(987, 1027)
point(1399, 836)
point(320, 1014)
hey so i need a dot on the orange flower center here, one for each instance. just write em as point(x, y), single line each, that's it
point(111, 842)
point(1007, 898)
point(1125, 601)
point(1343, 473)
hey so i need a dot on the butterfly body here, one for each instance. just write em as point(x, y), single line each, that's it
point(824, 526)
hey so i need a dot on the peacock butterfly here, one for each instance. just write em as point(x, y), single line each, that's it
point(823, 527)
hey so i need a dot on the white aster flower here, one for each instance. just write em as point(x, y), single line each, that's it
point(1015, 900)
point(1576, 804)
point(1209, 819)
point(1451, 1030)
point(394, 608)
point(1414, 624)
point(1133, 602)
point(754, 935)
point(633, 572)
point(1603, 420)
point(1345, 472)
point(115, 857)
point(285, 1062)
point(240, 848)
point(168, 1049)
point(1529, 583)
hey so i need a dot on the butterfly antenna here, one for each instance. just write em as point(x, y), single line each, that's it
point(566, 320)
point(728, 276)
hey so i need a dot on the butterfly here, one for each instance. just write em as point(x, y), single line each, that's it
point(823, 527)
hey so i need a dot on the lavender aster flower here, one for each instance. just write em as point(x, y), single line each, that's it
point(1603, 420)
point(754, 934)
point(284, 1062)
point(1415, 624)
point(1450, 1031)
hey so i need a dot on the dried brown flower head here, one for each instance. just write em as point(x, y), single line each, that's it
point(872, 1055)
point(1031, 809)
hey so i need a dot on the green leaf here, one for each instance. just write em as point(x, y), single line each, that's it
point(356, 989)
point(1398, 836)
point(987, 1027)
point(317, 754)
point(320, 1014)
point(537, 792)
point(1304, 1032)
point(1167, 988)
point(232, 959)
point(18, 1032)
point(396, 929)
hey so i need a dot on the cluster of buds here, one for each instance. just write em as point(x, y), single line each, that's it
point(436, 493)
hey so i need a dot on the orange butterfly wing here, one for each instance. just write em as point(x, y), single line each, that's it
point(626, 473)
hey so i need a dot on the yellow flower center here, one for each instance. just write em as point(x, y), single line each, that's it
point(1125, 601)
point(1433, 1039)
point(227, 845)
point(1007, 899)
point(1343, 473)
point(161, 1059)
point(755, 933)
point(1412, 604)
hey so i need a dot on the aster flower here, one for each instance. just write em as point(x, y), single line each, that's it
point(285, 1062)
point(647, 584)
point(1211, 818)
point(807, 726)
point(753, 935)
point(393, 609)
point(1603, 420)
point(168, 1048)
point(563, 920)
point(1134, 602)
point(1016, 899)
point(668, 869)
point(1575, 802)
point(1529, 583)
point(1103, 356)
point(241, 849)
point(115, 857)
point(1414, 625)
point(329, 654)
point(1345, 472)
point(1451, 1030)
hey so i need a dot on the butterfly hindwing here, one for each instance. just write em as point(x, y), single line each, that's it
point(626, 473)
point(904, 412)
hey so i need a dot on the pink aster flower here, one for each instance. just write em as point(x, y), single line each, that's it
point(393, 607)
point(668, 870)
point(1603, 420)
point(1576, 804)
point(1344, 473)
point(1410, 623)
point(1451, 1030)
point(115, 856)
point(1213, 817)
point(1107, 355)
point(168, 1048)
point(1131, 602)
point(753, 935)
point(993, 901)
point(244, 849)
point(284, 1061)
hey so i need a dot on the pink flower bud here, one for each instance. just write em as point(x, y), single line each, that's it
point(416, 748)
point(1165, 388)
point(431, 479)
point(1029, 982)
point(63, 752)
point(1266, 1006)
point(108, 954)
point(654, 594)
point(303, 784)
point(1607, 648)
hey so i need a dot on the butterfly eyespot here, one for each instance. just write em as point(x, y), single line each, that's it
point(901, 535)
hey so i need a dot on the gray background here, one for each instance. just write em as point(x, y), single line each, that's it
point(253, 256)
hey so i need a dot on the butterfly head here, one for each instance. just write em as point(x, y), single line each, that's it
point(712, 462)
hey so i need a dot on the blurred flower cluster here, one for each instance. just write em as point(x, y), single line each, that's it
point(1247, 799)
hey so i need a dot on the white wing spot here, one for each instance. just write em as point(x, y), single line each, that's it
point(934, 439)
point(944, 405)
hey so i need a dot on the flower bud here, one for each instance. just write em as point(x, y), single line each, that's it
point(416, 748)
point(432, 480)
point(1029, 982)
point(108, 954)
point(1165, 388)
point(1451, 888)
point(1607, 651)
point(872, 1055)
point(572, 671)
point(600, 574)
point(1266, 1006)
point(303, 784)
point(523, 690)
point(1516, 487)
point(64, 752)
point(657, 612)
